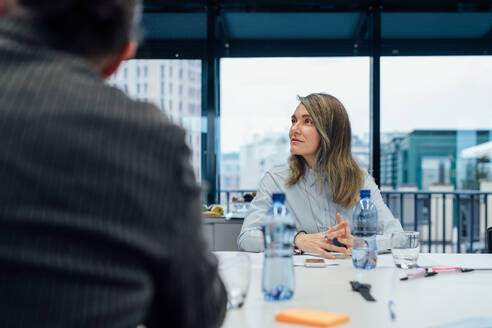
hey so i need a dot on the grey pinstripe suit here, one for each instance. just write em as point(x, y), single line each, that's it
point(99, 209)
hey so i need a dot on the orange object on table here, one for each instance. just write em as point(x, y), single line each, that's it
point(311, 318)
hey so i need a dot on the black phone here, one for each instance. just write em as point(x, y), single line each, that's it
point(337, 243)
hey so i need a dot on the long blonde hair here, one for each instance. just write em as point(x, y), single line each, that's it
point(333, 159)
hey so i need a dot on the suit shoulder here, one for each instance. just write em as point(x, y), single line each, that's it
point(140, 112)
point(120, 98)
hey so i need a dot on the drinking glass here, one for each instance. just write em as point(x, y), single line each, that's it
point(234, 269)
point(405, 247)
point(364, 255)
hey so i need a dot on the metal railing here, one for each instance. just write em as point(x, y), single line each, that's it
point(448, 221)
point(464, 213)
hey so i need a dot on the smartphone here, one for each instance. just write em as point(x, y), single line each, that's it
point(337, 243)
point(339, 255)
point(314, 263)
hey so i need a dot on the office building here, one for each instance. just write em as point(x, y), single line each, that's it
point(427, 157)
point(175, 87)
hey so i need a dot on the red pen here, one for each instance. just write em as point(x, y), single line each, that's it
point(452, 268)
point(445, 268)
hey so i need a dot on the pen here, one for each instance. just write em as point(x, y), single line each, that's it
point(391, 305)
point(432, 271)
point(421, 273)
point(444, 268)
point(451, 268)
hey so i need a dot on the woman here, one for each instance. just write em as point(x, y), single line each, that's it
point(321, 183)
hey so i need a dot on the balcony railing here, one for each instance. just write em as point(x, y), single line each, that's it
point(448, 221)
point(453, 220)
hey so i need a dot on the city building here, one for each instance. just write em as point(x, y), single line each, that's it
point(427, 157)
point(360, 150)
point(172, 85)
point(244, 170)
point(229, 173)
point(257, 157)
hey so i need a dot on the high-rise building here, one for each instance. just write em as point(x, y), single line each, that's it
point(175, 87)
point(229, 173)
point(360, 151)
point(427, 157)
point(256, 157)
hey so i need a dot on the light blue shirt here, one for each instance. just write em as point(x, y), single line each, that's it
point(313, 210)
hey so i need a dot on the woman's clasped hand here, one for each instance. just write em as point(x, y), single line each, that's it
point(322, 242)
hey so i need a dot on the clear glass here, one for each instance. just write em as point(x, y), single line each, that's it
point(364, 255)
point(405, 248)
point(258, 97)
point(278, 271)
point(234, 269)
point(177, 95)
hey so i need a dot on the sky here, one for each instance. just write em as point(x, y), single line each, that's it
point(260, 94)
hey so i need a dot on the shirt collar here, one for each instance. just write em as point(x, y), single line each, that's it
point(309, 177)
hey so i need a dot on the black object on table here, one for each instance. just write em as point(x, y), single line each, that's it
point(363, 289)
point(337, 243)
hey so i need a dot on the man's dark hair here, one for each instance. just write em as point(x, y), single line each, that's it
point(89, 28)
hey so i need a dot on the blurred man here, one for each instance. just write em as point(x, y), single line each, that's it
point(99, 208)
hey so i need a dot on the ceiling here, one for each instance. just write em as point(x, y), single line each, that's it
point(272, 27)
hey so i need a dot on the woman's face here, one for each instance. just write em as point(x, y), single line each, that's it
point(303, 135)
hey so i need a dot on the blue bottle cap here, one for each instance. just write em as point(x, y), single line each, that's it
point(278, 197)
point(365, 193)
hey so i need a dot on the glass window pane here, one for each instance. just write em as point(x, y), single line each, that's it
point(258, 97)
point(436, 122)
point(153, 86)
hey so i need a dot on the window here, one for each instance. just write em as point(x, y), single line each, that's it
point(259, 95)
point(435, 171)
point(145, 91)
point(435, 119)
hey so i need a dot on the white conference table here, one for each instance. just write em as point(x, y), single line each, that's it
point(446, 298)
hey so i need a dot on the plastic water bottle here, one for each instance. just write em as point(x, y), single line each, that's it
point(278, 268)
point(365, 223)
